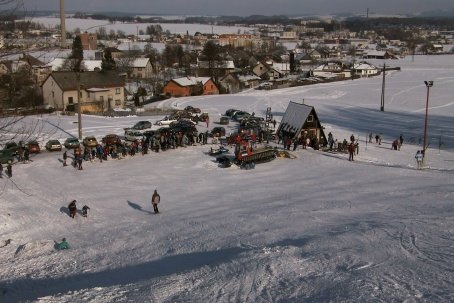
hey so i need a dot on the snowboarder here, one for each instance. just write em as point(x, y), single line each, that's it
point(85, 211)
point(155, 199)
point(62, 245)
point(65, 157)
point(72, 209)
point(419, 158)
point(9, 170)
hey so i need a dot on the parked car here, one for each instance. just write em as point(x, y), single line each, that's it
point(33, 147)
point(240, 115)
point(71, 143)
point(224, 120)
point(53, 145)
point(12, 146)
point(193, 110)
point(142, 125)
point(133, 135)
point(6, 156)
point(90, 141)
point(231, 111)
point(165, 121)
point(111, 139)
point(218, 131)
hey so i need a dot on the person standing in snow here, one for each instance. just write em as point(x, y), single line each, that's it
point(72, 209)
point(351, 151)
point(1, 170)
point(65, 157)
point(155, 199)
point(9, 170)
point(419, 158)
point(85, 211)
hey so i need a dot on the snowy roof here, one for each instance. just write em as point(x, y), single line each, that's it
point(364, 66)
point(140, 62)
point(229, 64)
point(189, 81)
point(295, 116)
point(90, 65)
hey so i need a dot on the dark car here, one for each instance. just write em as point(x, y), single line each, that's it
point(53, 145)
point(191, 109)
point(142, 125)
point(231, 111)
point(218, 132)
point(6, 156)
point(111, 139)
point(12, 146)
point(71, 143)
point(224, 120)
point(33, 147)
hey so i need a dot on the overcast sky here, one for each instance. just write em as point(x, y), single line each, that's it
point(244, 7)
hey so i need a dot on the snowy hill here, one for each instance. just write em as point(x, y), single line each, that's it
point(317, 228)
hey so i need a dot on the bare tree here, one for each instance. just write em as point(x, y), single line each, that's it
point(14, 124)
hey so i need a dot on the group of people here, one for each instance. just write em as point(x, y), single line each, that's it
point(72, 207)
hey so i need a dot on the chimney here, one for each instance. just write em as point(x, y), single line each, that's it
point(62, 23)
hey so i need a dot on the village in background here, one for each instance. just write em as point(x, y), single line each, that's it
point(120, 63)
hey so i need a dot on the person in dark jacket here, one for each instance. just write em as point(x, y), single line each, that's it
point(9, 170)
point(351, 151)
point(65, 157)
point(1, 170)
point(72, 209)
point(85, 211)
point(155, 199)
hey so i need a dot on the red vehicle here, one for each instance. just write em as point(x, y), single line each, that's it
point(33, 147)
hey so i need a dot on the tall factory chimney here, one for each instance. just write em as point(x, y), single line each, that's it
point(62, 23)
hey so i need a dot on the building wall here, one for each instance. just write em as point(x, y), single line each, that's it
point(175, 90)
point(210, 88)
point(89, 41)
point(53, 96)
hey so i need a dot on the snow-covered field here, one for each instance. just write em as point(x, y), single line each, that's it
point(317, 228)
point(92, 26)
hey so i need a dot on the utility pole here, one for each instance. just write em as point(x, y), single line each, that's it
point(382, 104)
point(429, 84)
point(79, 107)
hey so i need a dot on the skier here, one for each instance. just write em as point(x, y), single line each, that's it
point(1, 170)
point(62, 245)
point(65, 157)
point(72, 209)
point(85, 211)
point(155, 199)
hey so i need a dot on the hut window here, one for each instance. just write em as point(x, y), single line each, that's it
point(310, 118)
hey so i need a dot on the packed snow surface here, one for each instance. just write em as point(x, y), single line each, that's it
point(318, 228)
